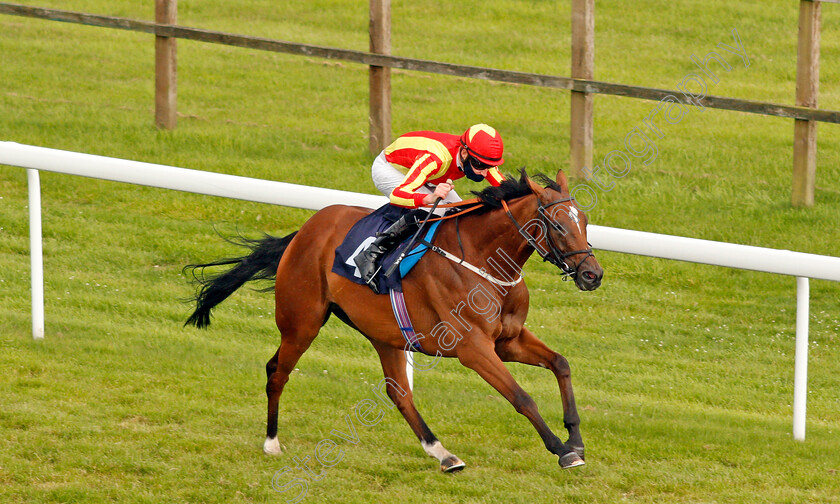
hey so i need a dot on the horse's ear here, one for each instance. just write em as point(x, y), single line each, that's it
point(535, 188)
point(561, 181)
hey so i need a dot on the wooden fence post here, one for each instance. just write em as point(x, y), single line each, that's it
point(583, 67)
point(807, 87)
point(380, 77)
point(165, 67)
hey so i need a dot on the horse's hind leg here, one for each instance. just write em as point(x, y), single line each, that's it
point(528, 349)
point(396, 385)
point(294, 341)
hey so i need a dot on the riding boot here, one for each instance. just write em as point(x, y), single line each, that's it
point(368, 260)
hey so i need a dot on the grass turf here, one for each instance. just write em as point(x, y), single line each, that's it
point(683, 372)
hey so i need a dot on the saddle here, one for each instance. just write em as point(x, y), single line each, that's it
point(363, 233)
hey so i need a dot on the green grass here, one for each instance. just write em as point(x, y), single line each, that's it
point(683, 372)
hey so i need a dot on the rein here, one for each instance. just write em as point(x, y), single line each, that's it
point(474, 201)
point(476, 204)
point(554, 255)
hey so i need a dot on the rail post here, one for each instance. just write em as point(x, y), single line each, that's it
point(800, 360)
point(36, 254)
point(380, 77)
point(807, 87)
point(165, 67)
point(583, 67)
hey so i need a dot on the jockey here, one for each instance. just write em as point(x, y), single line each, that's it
point(417, 169)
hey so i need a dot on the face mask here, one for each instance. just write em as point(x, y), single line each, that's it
point(470, 173)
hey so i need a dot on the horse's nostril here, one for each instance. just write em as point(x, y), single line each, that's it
point(589, 275)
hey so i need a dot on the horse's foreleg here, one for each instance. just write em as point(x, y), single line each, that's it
point(528, 349)
point(483, 360)
point(396, 385)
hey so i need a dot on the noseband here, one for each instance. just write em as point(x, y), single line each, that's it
point(554, 255)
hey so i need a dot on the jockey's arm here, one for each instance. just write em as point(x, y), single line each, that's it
point(494, 177)
point(405, 194)
point(441, 191)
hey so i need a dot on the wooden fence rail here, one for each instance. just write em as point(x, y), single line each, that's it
point(379, 60)
point(383, 60)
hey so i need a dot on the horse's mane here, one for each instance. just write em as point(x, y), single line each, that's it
point(492, 197)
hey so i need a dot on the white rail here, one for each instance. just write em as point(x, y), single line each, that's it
point(180, 179)
point(783, 262)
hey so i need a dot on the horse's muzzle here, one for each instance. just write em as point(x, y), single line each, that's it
point(589, 279)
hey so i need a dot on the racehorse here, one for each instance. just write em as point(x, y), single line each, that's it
point(472, 314)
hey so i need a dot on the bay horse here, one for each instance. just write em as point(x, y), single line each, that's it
point(504, 224)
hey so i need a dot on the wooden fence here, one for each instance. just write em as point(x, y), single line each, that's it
point(805, 113)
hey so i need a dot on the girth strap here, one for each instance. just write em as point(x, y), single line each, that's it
point(404, 321)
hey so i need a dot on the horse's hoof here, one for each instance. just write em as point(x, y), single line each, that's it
point(451, 464)
point(570, 460)
point(272, 446)
point(579, 451)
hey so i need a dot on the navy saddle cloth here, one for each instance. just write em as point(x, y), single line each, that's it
point(364, 232)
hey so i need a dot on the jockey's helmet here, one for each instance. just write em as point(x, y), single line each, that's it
point(483, 143)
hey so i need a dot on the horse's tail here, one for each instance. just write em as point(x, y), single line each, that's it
point(260, 264)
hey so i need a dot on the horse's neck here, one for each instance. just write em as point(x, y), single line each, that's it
point(494, 234)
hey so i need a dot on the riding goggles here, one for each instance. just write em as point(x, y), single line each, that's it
point(476, 164)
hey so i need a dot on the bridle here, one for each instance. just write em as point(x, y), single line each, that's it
point(554, 255)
